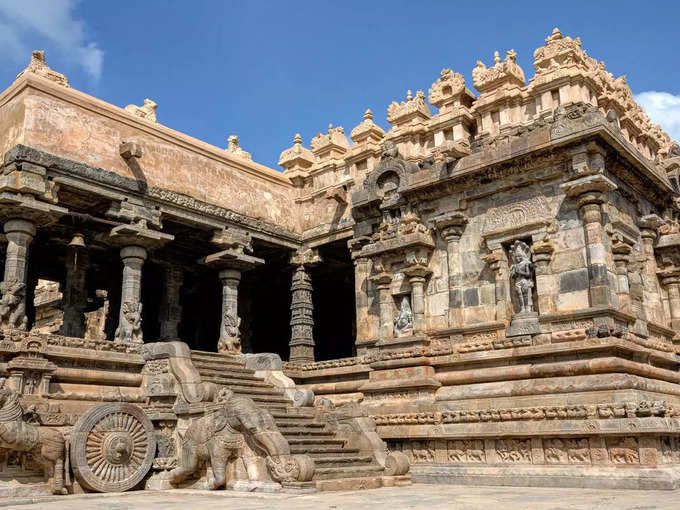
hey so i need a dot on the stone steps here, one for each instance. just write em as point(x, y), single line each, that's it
point(316, 450)
point(297, 423)
point(337, 467)
point(316, 441)
point(304, 431)
point(343, 461)
point(329, 473)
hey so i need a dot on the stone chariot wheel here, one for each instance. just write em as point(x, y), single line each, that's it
point(112, 447)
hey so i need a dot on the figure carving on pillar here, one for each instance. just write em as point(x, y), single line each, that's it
point(230, 339)
point(13, 305)
point(130, 327)
point(522, 271)
point(403, 323)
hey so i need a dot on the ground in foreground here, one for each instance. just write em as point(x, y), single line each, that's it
point(418, 496)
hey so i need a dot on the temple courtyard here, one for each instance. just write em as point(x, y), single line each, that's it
point(417, 496)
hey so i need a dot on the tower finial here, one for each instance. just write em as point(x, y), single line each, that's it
point(298, 139)
point(368, 114)
point(496, 58)
point(409, 95)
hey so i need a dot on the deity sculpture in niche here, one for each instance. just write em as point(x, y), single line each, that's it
point(403, 323)
point(522, 271)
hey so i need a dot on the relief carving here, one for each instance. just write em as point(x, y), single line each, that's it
point(44, 444)
point(130, 328)
point(522, 271)
point(13, 305)
point(514, 450)
point(466, 451)
point(623, 450)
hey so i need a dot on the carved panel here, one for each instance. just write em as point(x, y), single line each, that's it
point(623, 450)
point(567, 451)
point(466, 451)
point(515, 216)
point(516, 451)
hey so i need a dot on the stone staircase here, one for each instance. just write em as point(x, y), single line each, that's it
point(338, 467)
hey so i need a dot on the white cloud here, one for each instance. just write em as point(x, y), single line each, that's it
point(664, 109)
point(53, 21)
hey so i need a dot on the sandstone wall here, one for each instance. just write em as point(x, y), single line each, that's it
point(73, 125)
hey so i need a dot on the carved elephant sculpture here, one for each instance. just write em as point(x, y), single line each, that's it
point(210, 438)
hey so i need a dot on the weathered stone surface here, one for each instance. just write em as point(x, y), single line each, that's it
point(514, 260)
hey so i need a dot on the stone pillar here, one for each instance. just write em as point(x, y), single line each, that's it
point(542, 252)
point(651, 302)
point(451, 227)
point(418, 302)
point(301, 306)
point(301, 317)
point(589, 191)
point(130, 318)
point(230, 338)
point(75, 291)
point(670, 279)
point(19, 234)
point(498, 262)
point(668, 253)
point(171, 309)
point(622, 252)
point(361, 272)
point(383, 286)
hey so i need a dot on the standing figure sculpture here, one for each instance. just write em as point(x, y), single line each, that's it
point(45, 444)
point(403, 323)
point(522, 271)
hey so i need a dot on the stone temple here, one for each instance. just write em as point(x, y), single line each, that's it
point(487, 293)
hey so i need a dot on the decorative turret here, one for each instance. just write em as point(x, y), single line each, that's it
point(450, 91)
point(412, 108)
point(38, 66)
point(233, 148)
point(500, 102)
point(367, 130)
point(505, 74)
point(331, 145)
point(296, 161)
point(453, 122)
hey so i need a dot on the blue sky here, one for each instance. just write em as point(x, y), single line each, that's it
point(265, 70)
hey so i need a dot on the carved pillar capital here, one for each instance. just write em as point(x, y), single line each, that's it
point(451, 225)
point(542, 253)
point(621, 252)
point(305, 256)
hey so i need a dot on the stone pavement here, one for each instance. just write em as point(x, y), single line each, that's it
point(430, 497)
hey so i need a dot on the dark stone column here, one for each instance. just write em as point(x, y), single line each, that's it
point(130, 318)
point(301, 307)
point(19, 234)
point(171, 309)
point(75, 291)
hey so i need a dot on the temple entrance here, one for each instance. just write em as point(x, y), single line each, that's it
point(334, 303)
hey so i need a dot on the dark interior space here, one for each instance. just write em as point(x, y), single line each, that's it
point(201, 301)
point(264, 302)
point(153, 287)
point(334, 303)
